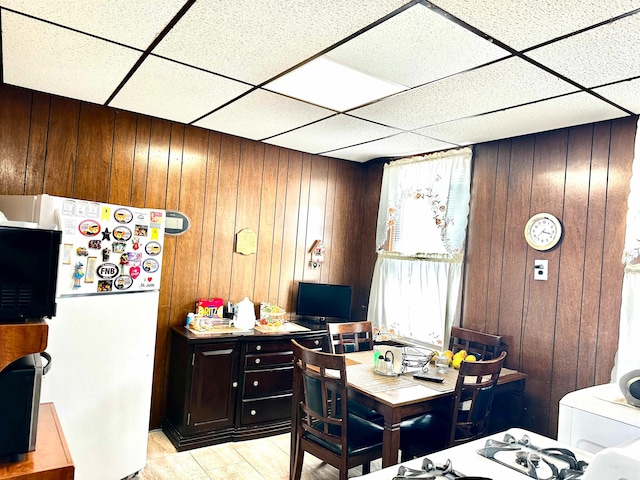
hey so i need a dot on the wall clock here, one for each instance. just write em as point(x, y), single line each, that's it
point(543, 231)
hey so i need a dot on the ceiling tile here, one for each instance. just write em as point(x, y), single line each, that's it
point(415, 47)
point(625, 94)
point(43, 57)
point(114, 20)
point(503, 84)
point(332, 133)
point(403, 144)
point(568, 110)
point(603, 55)
point(262, 114)
point(255, 40)
point(169, 90)
point(525, 23)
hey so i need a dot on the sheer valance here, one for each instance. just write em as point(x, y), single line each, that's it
point(424, 205)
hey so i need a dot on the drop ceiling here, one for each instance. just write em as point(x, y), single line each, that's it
point(450, 72)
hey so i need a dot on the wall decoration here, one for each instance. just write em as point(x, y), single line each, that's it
point(246, 242)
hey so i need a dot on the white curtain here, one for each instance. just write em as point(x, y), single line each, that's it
point(422, 222)
point(628, 357)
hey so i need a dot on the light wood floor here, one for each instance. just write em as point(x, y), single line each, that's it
point(262, 459)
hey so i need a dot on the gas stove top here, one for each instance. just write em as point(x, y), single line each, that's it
point(512, 455)
point(541, 463)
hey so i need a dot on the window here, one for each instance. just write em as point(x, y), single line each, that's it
point(422, 222)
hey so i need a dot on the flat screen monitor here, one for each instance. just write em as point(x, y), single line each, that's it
point(322, 301)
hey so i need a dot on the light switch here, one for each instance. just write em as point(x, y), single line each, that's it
point(541, 270)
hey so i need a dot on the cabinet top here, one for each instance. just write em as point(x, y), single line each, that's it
point(314, 330)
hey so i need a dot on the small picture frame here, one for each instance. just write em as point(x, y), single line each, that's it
point(89, 276)
point(66, 254)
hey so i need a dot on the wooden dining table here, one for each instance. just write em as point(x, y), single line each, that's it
point(399, 397)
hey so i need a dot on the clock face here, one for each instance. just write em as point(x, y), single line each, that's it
point(543, 231)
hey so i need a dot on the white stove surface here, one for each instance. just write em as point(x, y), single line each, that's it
point(466, 461)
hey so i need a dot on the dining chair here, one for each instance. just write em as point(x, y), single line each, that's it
point(321, 423)
point(484, 345)
point(354, 337)
point(350, 337)
point(467, 419)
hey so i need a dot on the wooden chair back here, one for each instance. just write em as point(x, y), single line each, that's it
point(484, 345)
point(350, 337)
point(474, 396)
point(320, 419)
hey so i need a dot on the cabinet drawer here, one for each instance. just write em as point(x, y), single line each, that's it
point(314, 343)
point(262, 360)
point(262, 383)
point(266, 410)
point(269, 346)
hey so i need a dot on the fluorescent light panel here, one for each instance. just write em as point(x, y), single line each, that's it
point(333, 85)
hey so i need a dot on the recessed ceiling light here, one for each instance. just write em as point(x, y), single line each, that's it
point(331, 84)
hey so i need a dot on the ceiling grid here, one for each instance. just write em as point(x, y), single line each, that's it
point(443, 73)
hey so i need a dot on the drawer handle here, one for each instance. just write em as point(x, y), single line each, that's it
point(257, 360)
point(253, 412)
point(255, 383)
point(235, 384)
point(317, 342)
point(258, 347)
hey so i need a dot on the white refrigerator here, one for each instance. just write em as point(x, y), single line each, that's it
point(102, 338)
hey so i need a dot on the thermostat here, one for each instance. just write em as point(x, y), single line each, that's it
point(176, 223)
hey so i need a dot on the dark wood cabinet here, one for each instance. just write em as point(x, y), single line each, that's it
point(231, 387)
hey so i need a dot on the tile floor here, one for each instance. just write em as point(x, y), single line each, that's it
point(262, 459)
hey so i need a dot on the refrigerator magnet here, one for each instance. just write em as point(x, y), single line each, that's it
point(89, 276)
point(152, 248)
point(66, 254)
point(89, 228)
point(105, 285)
point(121, 233)
point(123, 215)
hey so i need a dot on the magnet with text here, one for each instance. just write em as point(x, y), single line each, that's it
point(134, 272)
point(89, 228)
point(123, 215)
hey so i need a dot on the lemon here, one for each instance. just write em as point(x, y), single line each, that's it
point(448, 353)
point(470, 358)
point(456, 362)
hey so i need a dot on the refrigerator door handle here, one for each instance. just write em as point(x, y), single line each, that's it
point(47, 367)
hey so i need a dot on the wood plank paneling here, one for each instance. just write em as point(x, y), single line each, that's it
point(62, 145)
point(124, 143)
point(554, 330)
point(251, 165)
point(620, 161)
point(224, 236)
point(208, 217)
point(95, 142)
point(14, 140)
point(563, 376)
point(37, 144)
point(266, 219)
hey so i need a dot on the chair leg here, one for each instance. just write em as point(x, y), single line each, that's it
point(296, 472)
point(366, 468)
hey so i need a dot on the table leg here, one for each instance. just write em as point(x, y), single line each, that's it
point(390, 440)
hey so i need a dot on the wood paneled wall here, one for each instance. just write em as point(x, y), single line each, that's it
point(563, 332)
point(222, 183)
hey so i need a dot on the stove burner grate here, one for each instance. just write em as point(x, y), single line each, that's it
point(432, 471)
point(532, 461)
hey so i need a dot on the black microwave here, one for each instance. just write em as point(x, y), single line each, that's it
point(28, 272)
